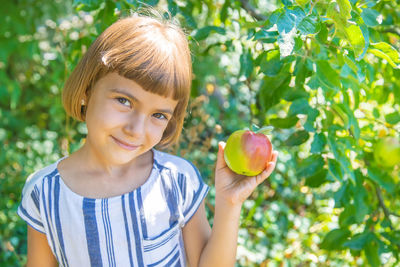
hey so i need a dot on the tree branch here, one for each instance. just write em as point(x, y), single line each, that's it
point(385, 209)
point(252, 11)
point(382, 205)
point(395, 214)
point(393, 30)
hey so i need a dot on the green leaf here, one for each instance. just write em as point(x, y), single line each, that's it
point(347, 217)
point(224, 10)
point(186, 12)
point(318, 144)
point(311, 120)
point(204, 32)
point(322, 35)
point(387, 52)
point(393, 236)
point(15, 95)
point(335, 169)
point(274, 17)
point(353, 66)
point(393, 118)
point(257, 24)
point(376, 113)
point(246, 64)
point(286, 24)
point(344, 8)
point(334, 239)
point(265, 130)
point(172, 7)
point(356, 34)
point(342, 196)
point(360, 196)
point(317, 179)
point(371, 17)
point(372, 254)
point(296, 94)
point(302, 2)
point(270, 63)
point(327, 75)
point(310, 166)
point(272, 90)
point(356, 39)
point(370, 3)
point(289, 19)
point(309, 25)
point(314, 83)
point(338, 148)
point(365, 32)
point(339, 11)
point(342, 113)
point(254, 127)
point(284, 123)
point(381, 177)
point(301, 73)
point(288, 2)
point(297, 138)
point(299, 106)
point(359, 241)
point(353, 122)
point(91, 4)
point(266, 36)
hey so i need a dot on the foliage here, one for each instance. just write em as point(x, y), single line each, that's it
point(323, 73)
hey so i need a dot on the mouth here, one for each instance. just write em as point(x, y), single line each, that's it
point(124, 144)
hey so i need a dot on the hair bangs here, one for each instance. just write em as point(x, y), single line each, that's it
point(157, 64)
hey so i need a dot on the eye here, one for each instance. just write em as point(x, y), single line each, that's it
point(160, 116)
point(124, 101)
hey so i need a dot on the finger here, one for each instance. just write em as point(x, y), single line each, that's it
point(275, 156)
point(222, 144)
point(266, 173)
point(220, 157)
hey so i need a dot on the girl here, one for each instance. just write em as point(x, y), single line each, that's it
point(117, 201)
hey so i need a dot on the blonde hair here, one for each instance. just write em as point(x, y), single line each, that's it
point(152, 51)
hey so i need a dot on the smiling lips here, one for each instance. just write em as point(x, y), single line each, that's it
point(125, 145)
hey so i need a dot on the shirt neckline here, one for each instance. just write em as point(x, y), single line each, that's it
point(147, 183)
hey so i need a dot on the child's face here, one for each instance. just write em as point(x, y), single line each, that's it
point(123, 120)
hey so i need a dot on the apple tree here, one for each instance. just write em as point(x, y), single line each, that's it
point(324, 74)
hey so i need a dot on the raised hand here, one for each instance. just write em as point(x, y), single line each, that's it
point(234, 188)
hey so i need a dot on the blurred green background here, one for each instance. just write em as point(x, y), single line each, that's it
point(325, 74)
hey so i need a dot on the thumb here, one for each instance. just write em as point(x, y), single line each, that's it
point(220, 157)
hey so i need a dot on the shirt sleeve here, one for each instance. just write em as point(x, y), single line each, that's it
point(194, 190)
point(29, 207)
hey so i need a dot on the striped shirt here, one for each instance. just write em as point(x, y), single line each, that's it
point(139, 228)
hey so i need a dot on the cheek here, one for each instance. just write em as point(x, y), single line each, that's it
point(156, 130)
point(101, 117)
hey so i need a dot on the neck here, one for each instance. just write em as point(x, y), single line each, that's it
point(92, 163)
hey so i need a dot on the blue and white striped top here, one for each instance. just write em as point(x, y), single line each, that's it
point(140, 228)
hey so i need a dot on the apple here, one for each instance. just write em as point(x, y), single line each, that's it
point(247, 153)
point(387, 152)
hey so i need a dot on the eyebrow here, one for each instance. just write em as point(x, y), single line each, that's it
point(119, 91)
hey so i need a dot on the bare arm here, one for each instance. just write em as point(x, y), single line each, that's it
point(218, 246)
point(39, 252)
point(195, 235)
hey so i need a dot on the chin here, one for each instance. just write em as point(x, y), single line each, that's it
point(127, 157)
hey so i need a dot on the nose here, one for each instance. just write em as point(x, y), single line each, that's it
point(135, 125)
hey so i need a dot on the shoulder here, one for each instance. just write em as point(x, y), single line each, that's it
point(37, 177)
point(174, 163)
